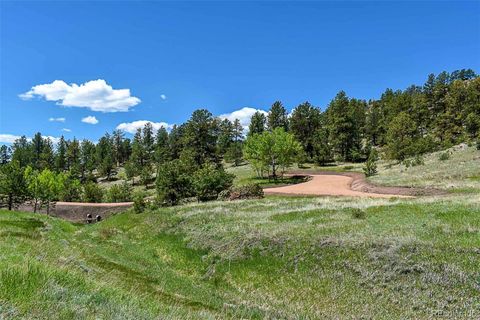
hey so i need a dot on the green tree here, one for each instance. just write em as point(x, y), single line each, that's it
point(209, 181)
point(148, 141)
point(234, 152)
point(104, 156)
point(92, 192)
point(277, 117)
point(173, 183)
point(73, 157)
point(257, 123)
point(32, 182)
point(22, 152)
point(87, 158)
point(322, 153)
point(61, 155)
point(276, 150)
point(200, 137)
point(401, 137)
point(51, 186)
point(13, 188)
point(304, 122)
point(162, 153)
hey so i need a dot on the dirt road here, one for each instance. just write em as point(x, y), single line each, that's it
point(351, 185)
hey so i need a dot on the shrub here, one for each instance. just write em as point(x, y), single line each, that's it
point(119, 193)
point(209, 181)
point(444, 156)
point(139, 203)
point(92, 192)
point(370, 167)
point(478, 144)
point(249, 191)
point(358, 213)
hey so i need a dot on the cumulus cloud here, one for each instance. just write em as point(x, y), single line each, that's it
point(244, 115)
point(95, 95)
point(10, 138)
point(163, 97)
point(56, 119)
point(90, 120)
point(131, 127)
point(66, 130)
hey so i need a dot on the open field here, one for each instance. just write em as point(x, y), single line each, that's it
point(278, 257)
point(275, 257)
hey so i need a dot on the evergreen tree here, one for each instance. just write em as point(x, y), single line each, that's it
point(257, 123)
point(104, 156)
point(87, 158)
point(225, 137)
point(61, 155)
point(200, 137)
point(277, 117)
point(322, 153)
point(13, 188)
point(47, 157)
point(305, 120)
point(161, 146)
point(401, 137)
point(234, 152)
point(37, 148)
point(148, 140)
point(22, 152)
point(73, 157)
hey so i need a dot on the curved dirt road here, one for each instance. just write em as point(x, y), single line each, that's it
point(328, 185)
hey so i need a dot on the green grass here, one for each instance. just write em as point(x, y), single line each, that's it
point(459, 173)
point(278, 257)
point(274, 257)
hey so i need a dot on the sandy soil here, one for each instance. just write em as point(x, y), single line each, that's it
point(351, 185)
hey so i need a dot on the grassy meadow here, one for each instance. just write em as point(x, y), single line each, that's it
point(278, 258)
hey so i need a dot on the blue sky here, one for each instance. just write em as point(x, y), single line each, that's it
point(224, 56)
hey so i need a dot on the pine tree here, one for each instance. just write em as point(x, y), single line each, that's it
point(277, 117)
point(305, 120)
point(61, 155)
point(257, 123)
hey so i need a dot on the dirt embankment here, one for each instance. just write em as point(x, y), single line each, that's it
point(78, 211)
point(351, 184)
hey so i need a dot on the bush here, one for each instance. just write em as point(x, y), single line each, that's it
point(478, 144)
point(209, 181)
point(139, 203)
point(444, 156)
point(370, 167)
point(358, 214)
point(249, 191)
point(119, 193)
point(92, 192)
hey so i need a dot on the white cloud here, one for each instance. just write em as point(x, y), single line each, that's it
point(10, 138)
point(163, 97)
point(66, 130)
point(96, 95)
point(90, 120)
point(56, 119)
point(244, 115)
point(54, 140)
point(131, 127)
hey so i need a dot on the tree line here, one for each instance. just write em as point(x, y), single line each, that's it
point(188, 161)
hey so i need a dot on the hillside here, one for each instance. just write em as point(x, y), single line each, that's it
point(276, 257)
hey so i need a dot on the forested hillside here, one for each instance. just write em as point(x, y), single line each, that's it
point(442, 112)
